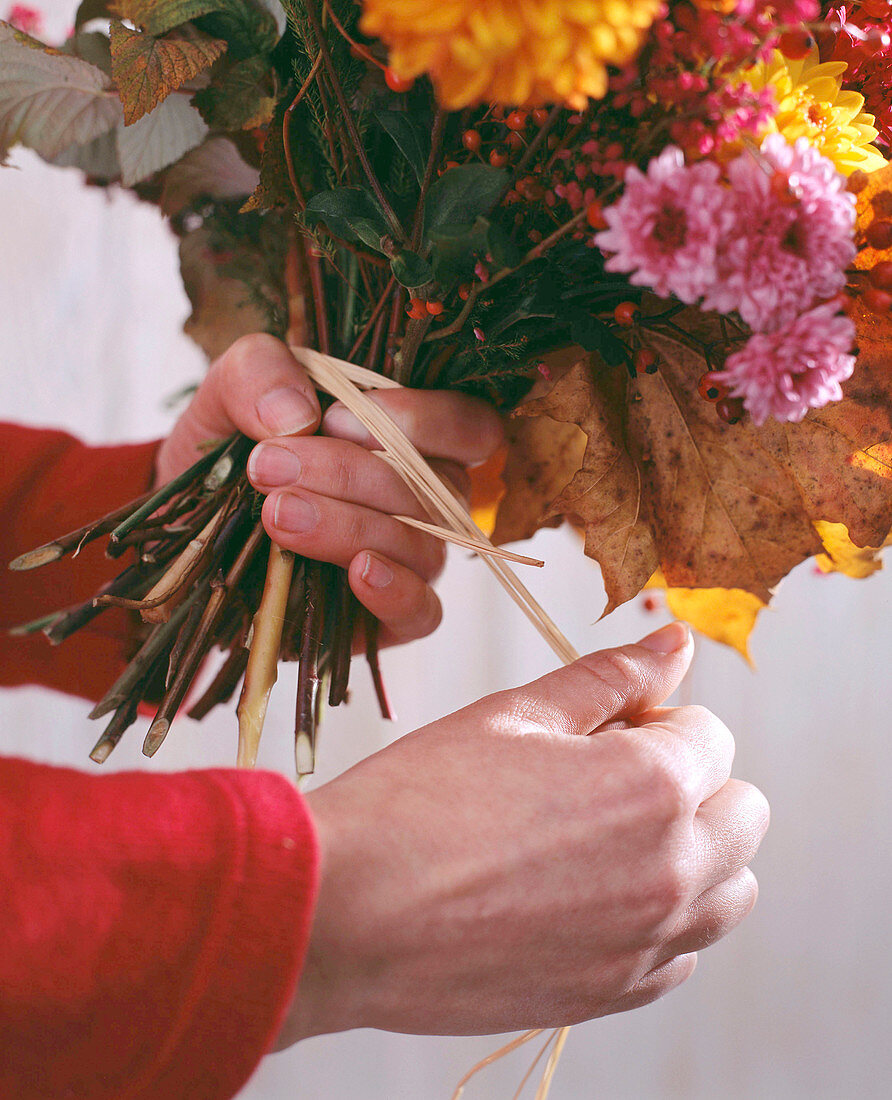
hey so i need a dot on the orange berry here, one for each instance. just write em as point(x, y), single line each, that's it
point(594, 215)
point(540, 116)
point(514, 141)
point(878, 301)
point(464, 292)
point(434, 308)
point(646, 360)
point(879, 235)
point(471, 140)
point(795, 44)
point(625, 314)
point(397, 83)
point(498, 159)
point(711, 387)
point(517, 120)
point(730, 409)
point(881, 275)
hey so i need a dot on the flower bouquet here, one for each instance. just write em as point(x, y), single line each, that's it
point(659, 235)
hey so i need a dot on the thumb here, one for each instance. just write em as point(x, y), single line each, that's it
point(257, 387)
point(610, 684)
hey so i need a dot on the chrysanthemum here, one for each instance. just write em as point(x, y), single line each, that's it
point(667, 224)
point(812, 104)
point(792, 239)
point(783, 374)
point(522, 52)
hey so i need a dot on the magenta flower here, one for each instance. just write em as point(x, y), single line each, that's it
point(785, 373)
point(665, 228)
point(792, 237)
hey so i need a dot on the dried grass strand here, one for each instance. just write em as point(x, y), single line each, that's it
point(494, 1057)
point(336, 378)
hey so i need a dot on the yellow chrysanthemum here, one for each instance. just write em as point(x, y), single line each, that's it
point(523, 52)
point(811, 103)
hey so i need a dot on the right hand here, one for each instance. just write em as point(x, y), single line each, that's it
point(500, 869)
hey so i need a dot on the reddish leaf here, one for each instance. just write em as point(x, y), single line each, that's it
point(147, 69)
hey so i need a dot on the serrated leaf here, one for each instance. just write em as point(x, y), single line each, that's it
point(158, 139)
point(240, 99)
point(666, 484)
point(463, 194)
point(350, 213)
point(159, 16)
point(410, 270)
point(247, 25)
point(49, 101)
point(147, 69)
point(213, 170)
point(843, 556)
point(408, 136)
point(97, 159)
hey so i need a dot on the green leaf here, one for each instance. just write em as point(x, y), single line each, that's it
point(49, 101)
point(462, 194)
point(593, 335)
point(214, 170)
point(147, 69)
point(501, 248)
point(456, 248)
point(159, 16)
point(158, 139)
point(411, 270)
point(240, 99)
point(409, 136)
point(350, 213)
point(247, 25)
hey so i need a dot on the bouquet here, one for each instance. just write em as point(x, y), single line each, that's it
point(659, 235)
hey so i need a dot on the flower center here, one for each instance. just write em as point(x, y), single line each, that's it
point(670, 228)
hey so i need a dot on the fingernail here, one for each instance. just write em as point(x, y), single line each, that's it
point(376, 574)
point(342, 423)
point(272, 465)
point(285, 411)
point(669, 639)
point(293, 513)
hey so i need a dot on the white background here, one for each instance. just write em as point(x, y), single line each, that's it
point(796, 1003)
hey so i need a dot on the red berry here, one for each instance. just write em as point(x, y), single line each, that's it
point(464, 292)
point(397, 83)
point(498, 159)
point(881, 275)
point(517, 120)
point(878, 301)
point(879, 235)
point(434, 308)
point(471, 140)
point(730, 409)
point(795, 44)
point(514, 141)
point(646, 360)
point(540, 116)
point(877, 9)
point(625, 314)
point(594, 215)
point(711, 387)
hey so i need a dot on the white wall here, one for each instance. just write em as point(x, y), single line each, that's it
point(795, 1004)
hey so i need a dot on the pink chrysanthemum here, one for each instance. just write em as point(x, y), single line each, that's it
point(665, 228)
point(793, 235)
point(785, 373)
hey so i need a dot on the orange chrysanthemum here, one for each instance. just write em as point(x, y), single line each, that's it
point(523, 52)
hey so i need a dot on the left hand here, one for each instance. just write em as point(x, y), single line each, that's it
point(329, 496)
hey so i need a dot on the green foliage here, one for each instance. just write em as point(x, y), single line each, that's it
point(411, 270)
point(154, 16)
point(409, 136)
point(350, 213)
point(241, 98)
point(246, 25)
point(462, 194)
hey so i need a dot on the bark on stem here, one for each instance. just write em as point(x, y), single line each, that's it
point(260, 673)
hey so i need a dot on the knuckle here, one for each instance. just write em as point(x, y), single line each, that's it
point(669, 783)
point(242, 356)
point(340, 470)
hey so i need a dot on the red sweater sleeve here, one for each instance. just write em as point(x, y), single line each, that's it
point(153, 929)
point(51, 484)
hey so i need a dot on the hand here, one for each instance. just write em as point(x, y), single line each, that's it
point(499, 869)
point(330, 497)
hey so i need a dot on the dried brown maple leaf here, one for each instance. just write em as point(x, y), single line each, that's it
point(665, 484)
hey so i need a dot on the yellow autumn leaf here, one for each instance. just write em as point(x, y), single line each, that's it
point(726, 615)
point(843, 556)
